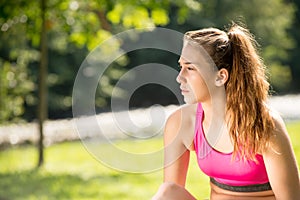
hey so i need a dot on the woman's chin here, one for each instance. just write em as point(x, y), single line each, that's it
point(189, 100)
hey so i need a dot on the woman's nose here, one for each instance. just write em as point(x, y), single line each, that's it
point(180, 78)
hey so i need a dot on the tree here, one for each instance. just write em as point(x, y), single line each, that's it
point(42, 105)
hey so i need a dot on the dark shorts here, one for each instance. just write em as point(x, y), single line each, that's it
point(247, 188)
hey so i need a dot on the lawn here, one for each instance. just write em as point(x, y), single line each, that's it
point(71, 172)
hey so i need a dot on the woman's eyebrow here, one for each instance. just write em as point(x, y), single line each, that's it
point(186, 63)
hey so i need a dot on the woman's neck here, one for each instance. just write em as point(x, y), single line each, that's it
point(214, 115)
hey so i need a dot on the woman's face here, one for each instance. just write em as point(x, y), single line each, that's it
point(193, 69)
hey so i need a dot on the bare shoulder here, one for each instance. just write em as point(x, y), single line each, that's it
point(280, 145)
point(280, 137)
point(180, 124)
point(182, 115)
point(278, 121)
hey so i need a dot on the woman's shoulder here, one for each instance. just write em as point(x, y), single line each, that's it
point(279, 124)
point(180, 124)
point(183, 114)
point(279, 138)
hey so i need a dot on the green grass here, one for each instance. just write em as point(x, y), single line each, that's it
point(71, 172)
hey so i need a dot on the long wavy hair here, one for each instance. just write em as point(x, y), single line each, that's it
point(249, 120)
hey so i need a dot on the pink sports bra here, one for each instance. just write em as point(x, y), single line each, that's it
point(220, 167)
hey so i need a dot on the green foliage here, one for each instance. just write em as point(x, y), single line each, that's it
point(272, 32)
point(280, 76)
point(15, 89)
point(16, 83)
point(74, 26)
point(294, 62)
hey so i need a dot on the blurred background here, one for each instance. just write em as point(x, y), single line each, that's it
point(43, 44)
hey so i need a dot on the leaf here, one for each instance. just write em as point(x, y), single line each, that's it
point(160, 16)
point(78, 38)
point(115, 15)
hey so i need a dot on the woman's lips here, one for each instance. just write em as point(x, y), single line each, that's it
point(183, 90)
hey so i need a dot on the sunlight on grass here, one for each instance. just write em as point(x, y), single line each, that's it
point(134, 146)
point(71, 172)
point(294, 132)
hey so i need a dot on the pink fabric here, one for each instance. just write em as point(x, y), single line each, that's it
point(219, 165)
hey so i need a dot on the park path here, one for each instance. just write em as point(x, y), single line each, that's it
point(63, 130)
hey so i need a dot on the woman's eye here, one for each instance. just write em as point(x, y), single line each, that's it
point(187, 67)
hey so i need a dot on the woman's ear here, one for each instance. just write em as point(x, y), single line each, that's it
point(222, 77)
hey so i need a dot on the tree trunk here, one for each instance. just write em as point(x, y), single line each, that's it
point(42, 94)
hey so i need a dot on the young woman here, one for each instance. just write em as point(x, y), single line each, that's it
point(240, 143)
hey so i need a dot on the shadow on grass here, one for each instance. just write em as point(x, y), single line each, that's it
point(36, 185)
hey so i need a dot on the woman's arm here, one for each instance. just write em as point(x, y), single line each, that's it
point(178, 137)
point(176, 153)
point(281, 164)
